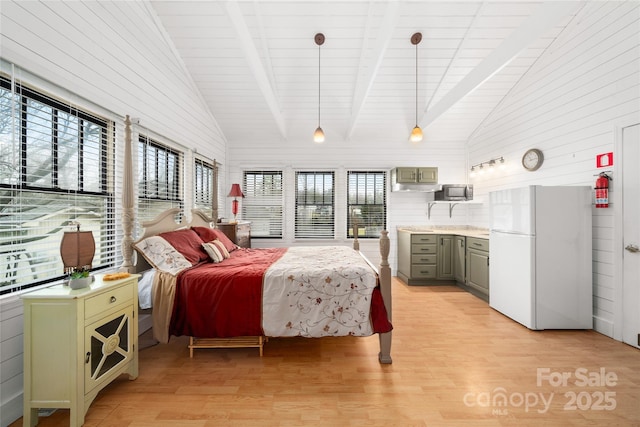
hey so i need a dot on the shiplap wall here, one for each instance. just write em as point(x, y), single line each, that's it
point(113, 55)
point(404, 208)
point(569, 105)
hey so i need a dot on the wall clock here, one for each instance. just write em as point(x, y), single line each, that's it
point(532, 159)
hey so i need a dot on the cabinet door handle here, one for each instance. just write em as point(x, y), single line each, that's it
point(112, 299)
point(88, 357)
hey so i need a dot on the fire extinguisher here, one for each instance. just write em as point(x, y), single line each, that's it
point(602, 190)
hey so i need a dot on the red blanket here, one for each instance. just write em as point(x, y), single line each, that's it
point(225, 300)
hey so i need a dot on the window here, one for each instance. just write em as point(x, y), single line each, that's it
point(158, 178)
point(205, 180)
point(314, 205)
point(367, 203)
point(263, 202)
point(54, 172)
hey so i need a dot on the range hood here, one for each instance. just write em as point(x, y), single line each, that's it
point(415, 187)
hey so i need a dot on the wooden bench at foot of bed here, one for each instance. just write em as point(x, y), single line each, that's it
point(234, 342)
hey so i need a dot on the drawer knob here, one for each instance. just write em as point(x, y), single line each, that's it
point(113, 299)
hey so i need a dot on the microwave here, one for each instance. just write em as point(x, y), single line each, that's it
point(455, 192)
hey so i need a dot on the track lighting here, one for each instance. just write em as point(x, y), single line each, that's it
point(489, 165)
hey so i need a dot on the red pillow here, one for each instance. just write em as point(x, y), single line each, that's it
point(209, 234)
point(188, 243)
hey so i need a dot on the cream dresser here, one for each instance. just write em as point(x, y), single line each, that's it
point(76, 342)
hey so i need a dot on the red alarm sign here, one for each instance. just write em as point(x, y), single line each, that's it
point(604, 160)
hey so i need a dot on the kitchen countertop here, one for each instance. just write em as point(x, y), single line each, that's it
point(467, 231)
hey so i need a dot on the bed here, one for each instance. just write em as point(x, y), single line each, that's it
point(249, 295)
point(312, 292)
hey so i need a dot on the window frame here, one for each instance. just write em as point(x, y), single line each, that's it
point(351, 204)
point(68, 200)
point(271, 198)
point(313, 230)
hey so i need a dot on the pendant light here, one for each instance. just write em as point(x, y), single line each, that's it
point(318, 135)
point(416, 133)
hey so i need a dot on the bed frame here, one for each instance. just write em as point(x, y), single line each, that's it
point(166, 222)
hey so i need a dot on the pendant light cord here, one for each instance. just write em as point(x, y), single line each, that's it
point(318, 85)
point(416, 84)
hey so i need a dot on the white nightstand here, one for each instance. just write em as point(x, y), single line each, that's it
point(76, 342)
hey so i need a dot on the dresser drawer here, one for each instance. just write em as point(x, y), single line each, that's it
point(427, 271)
point(423, 238)
point(423, 249)
point(479, 244)
point(423, 259)
point(105, 301)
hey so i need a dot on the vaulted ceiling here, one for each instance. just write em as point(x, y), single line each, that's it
point(256, 63)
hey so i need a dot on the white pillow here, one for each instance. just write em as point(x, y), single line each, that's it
point(161, 255)
point(212, 250)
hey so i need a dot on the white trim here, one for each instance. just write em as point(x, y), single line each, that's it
point(618, 228)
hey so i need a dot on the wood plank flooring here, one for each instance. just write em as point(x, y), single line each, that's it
point(456, 362)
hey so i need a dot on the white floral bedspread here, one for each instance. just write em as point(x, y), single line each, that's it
point(318, 291)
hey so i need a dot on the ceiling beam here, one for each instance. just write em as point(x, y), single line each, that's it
point(255, 64)
point(371, 67)
point(547, 16)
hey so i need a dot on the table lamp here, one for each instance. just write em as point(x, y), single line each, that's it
point(235, 192)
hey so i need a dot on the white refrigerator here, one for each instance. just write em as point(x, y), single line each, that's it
point(540, 256)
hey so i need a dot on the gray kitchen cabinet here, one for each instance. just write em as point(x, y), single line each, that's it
point(478, 264)
point(417, 257)
point(423, 175)
point(445, 257)
point(459, 258)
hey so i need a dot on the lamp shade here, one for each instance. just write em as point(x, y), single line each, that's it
point(236, 191)
point(416, 134)
point(77, 249)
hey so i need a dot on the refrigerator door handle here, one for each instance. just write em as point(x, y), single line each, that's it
point(632, 248)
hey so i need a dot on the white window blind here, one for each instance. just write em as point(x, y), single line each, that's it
point(56, 164)
point(367, 203)
point(315, 218)
point(204, 182)
point(159, 171)
point(263, 202)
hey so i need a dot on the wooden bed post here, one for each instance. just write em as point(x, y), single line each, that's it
point(385, 288)
point(128, 215)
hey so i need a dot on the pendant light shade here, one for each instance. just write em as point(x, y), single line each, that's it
point(318, 135)
point(416, 133)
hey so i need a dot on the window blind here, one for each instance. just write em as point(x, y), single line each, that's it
point(263, 202)
point(159, 171)
point(314, 207)
point(366, 202)
point(204, 182)
point(55, 164)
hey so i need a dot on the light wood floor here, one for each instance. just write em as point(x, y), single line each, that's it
point(453, 358)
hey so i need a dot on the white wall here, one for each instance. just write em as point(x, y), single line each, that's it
point(568, 105)
point(404, 208)
point(113, 55)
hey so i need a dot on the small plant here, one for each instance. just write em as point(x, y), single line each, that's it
point(79, 273)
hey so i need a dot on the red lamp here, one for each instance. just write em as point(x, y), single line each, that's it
point(235, 192)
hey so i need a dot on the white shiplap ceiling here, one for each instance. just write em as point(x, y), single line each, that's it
point(256, 63)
